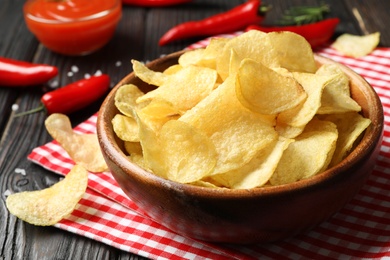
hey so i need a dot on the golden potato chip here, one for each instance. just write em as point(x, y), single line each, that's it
point(252, 44)
point(350, 126)
point(292, 52)
point(191, 57)
point(288, 131)
point(237, 133)
point(356, 46)
point(84, 149)
point(336, 95)
point(235, 62)
point(151, 147)
point(342, 81)
point(265, 91)
point(147, 75)
point(257, 171)
point(310, 154)
point(185, 88)
point(172, 69)
point(300, 115)
point(126, 128)
point(48, 206)
point(125, 99)
point(133, 147)
point(160, 108)
point(187, 154)
point(211, 52)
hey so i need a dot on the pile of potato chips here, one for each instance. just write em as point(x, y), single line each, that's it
point(242, 113)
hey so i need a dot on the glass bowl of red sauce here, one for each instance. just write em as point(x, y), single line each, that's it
point(73, 27)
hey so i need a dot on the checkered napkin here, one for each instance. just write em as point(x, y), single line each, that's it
point(360, 230)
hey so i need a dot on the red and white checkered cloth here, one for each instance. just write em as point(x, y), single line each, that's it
point(360, 230)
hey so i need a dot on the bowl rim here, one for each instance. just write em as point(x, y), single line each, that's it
point(373, 136)
point(64, 20)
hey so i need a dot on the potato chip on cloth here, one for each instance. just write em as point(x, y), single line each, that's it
point(48, 206)
point(84, 149)
point(356, 46)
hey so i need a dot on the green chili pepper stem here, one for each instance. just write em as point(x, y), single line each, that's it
point(32, 111)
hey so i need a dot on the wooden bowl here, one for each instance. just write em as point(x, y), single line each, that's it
point(244, 216)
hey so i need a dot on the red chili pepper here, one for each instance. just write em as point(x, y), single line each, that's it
point(15, 73)
point(315, 33)
point(74, 96)
point(154, 3)
point(232, 20)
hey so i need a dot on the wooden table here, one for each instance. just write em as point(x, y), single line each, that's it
point(136, 38)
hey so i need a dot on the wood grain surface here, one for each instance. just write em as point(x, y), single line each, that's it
point(136, 37)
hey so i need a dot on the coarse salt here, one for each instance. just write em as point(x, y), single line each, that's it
point(21, 171)
point(15, 107)
point(7, 193)
point(74, 69)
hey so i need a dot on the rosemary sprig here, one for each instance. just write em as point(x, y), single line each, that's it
point(304, 14)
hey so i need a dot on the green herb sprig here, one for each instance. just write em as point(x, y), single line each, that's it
point(299, 15)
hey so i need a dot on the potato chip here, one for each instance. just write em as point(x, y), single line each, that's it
point(211, 52)
point(185, 88)
point(125, 99)
point(300, 115)
point(292, 52)
point(310, 154)
point(126, 128)
point(265, 91)
point(151, 147)
point(350, 126)
point(187, 154)
point(133, 147)
point(147, 75)
point(191, 57)
point(237, 133)
point(252, 44)
point(84, 149)
point(172, 69)
point(48, 206)
point(160, 108)
point(356, 46)
point(256, 172)
point(135, 153)
point(336, 95)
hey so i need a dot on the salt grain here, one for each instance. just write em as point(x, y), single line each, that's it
point(7, 193)
point(54, 84)
point(74, 69)
point(118, 63)
point(87, 75)
point(98, 73)
point(15, 107)
point(70, 74)
point(21, 171)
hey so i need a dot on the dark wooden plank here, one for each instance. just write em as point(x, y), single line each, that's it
point(136, 38)
point(371, 16)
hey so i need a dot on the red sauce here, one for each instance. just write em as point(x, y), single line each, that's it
point(73, 27)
